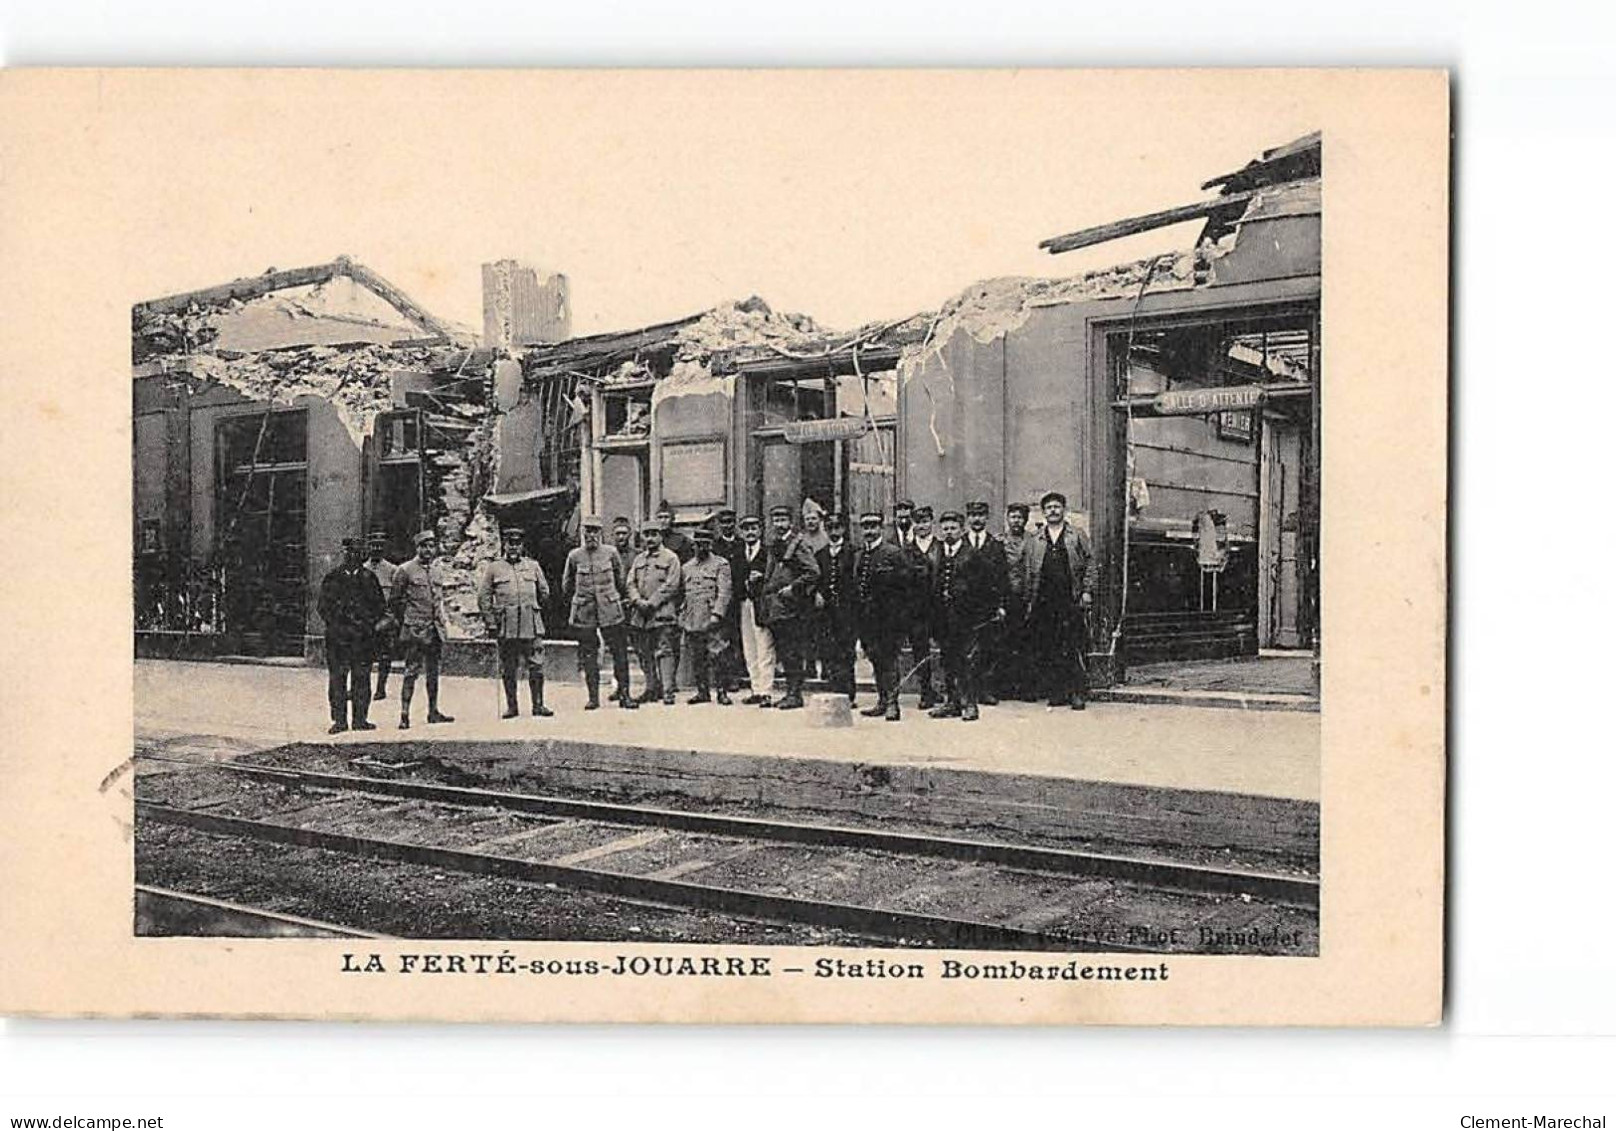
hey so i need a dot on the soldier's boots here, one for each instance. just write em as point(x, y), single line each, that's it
point(434, 715)
point(876, 711)
point(535, 687)
point(893, 713)
point(723, 698)
point(625, 699)
point(337, 727)
point(970, 714)
point(945, 711)
point(510, 696)
point(592, 682)
point(702, 695)
point(667, 679)
point(791, 702)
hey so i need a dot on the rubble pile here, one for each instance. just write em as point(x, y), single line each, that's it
point(356, 380)
point(750, 322)
point(993, 307)
point(457, 479)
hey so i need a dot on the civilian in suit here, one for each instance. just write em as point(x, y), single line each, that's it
point(351, 604)
point(1012, 674)
point(728, 545)
point(835, 603)
point(1061, 574)
point(968, 589)
point(922, 548)
point(991, 641)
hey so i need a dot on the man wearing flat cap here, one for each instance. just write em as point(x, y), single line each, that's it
point(1061, 573)
point(351, 604)
point(417, 606)
point(1011, 676)
point(594, 587)
point(511, 595)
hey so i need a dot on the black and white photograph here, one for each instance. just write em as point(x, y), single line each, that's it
point(824, 542)
point(989, 626)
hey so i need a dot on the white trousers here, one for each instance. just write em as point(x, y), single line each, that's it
point(757, 645)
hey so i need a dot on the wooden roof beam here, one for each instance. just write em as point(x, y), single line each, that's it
point(1117, 229)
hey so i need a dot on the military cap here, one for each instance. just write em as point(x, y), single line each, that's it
point(976, 507)
point(837, 520)
point(426, 536)
point(378, 538)
point(779, 508)
point(868, 515)
point(702, 534)
point(1052, 496)
point(664, 508)
point(751, 520)
point(923, 511)
point(620, 520)
point(953, 516)
point(590, 522)
point(350, 543)
point(725, 512)
point(509, 532)
point(1018, 508)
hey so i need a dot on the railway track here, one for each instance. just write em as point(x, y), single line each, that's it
point(903, 887)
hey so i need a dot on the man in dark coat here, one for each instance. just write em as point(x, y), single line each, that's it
point(351, 604)
point(922, 548)
point(835, 603)
point(1061, 573)
point(1011, 676)
point(790, 576)
point(882, 579)
point(992, 640)
point(729, 546)
point(967, 597)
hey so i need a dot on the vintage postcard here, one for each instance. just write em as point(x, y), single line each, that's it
point(890, 546)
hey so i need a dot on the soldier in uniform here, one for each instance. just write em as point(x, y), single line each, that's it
point(653, 597)
point(922, 549)
point(968, 588)
point(418, 608)
point(790, 575)
point(836, 605)
point(727, 545)
point(707, 585)
point(350, 604)
point(387, 631)
point(1061, 572)
point(882, 576)
point(1010, 678)
point(991, 641)
point(595, 590)
point(511, 595)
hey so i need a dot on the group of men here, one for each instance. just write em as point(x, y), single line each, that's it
point(1006, 613)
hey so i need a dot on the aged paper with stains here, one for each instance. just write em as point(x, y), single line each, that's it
point(660, 195)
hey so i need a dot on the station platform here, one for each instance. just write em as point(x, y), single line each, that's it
point(1185, 775)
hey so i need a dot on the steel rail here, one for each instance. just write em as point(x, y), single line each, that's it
point(166, 903)
point(1295, 891)
point(854, 918)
